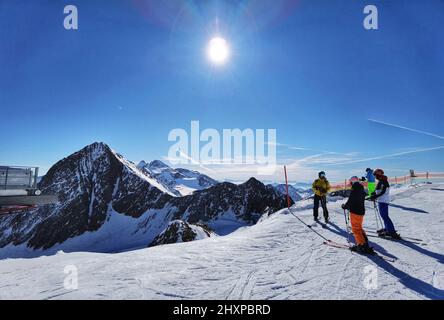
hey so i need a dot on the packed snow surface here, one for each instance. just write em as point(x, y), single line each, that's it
point(278, 258)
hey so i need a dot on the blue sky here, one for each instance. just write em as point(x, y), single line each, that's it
point(137, 69)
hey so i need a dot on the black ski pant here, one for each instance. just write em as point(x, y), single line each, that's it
point(323, 201)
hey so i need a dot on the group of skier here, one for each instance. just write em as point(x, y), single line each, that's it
point(378, 193)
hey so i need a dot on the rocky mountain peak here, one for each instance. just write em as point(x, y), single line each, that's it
point(106, 203)
point(157, 164)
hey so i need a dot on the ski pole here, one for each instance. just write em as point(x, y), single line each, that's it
point(346, 225)
point(378, 215)
point(309, 227)
point(324, 203)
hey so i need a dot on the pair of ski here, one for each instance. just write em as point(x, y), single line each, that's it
point(374, 234)
point(379, 255)
point(406, 238)
point(397, 240)
point(322, 224)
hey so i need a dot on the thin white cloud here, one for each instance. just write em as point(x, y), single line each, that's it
point(271, 143)
point(405, 128)
point(323, 151)
point(190, 159)
point(389, 155)
point(298, 148)
point(326, 158)
point(311, 157)
point(305, 168)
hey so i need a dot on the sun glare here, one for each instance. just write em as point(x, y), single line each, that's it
point(218, 51)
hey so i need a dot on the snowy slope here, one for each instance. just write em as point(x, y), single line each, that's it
point(278, 258)
point(178, 182)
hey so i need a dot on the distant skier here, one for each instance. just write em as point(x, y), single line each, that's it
point(356, 205)
point(382, 196)
point(320, 188)
point(370, 177)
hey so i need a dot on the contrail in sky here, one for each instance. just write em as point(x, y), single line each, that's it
point(389, 155)
point(408, 129)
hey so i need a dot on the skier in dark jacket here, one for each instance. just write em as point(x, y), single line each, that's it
point(382, 196)
point(355, 205)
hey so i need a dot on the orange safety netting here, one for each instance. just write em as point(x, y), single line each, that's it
point(408, 179)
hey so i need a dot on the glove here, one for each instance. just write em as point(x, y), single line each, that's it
point(363, 179)
point(344, 206)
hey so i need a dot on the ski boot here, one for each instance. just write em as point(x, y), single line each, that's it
point(363, 249)
point(354, 248)
point(393, 235)
point(381, 232)
point(327, 220)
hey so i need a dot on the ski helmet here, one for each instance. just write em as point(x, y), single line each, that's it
point(353, 180)
point(321, 174)
point(378, 172)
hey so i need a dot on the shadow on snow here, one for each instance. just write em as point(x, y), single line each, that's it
point(407, 208)
point(414, 284)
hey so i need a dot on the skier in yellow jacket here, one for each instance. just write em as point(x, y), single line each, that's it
point(320, 188)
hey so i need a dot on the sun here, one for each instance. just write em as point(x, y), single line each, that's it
point(218, 51)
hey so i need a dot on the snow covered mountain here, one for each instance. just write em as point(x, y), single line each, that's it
point(179, 182)
point(292, 191)
point(226, 207)
point(302, 186)
point(107, 204)
point(179, 231)
point(278, 258)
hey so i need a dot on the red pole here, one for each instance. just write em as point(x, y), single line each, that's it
point(286, 187)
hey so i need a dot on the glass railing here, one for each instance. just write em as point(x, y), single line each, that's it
point(18, 178)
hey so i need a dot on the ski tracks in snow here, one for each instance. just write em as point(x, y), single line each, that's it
point(243, 287)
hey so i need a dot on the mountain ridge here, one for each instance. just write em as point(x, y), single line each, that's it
point(107, 204)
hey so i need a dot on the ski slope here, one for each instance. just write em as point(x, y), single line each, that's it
point(278, 258)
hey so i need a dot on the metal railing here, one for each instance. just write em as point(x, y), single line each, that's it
point(18, 178)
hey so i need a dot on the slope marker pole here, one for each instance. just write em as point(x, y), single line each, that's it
point(286, 187)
